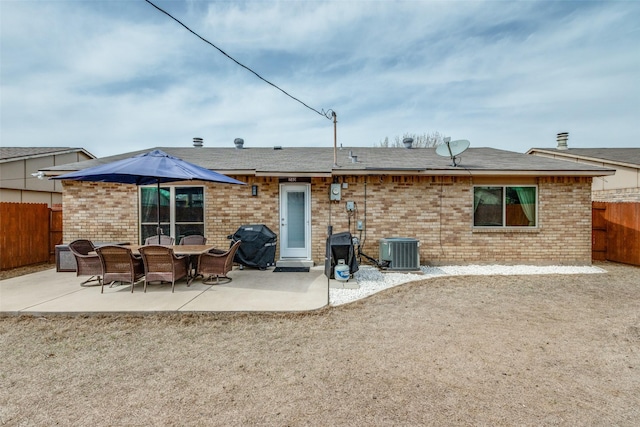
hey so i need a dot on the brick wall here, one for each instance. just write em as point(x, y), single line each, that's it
point(617, 195)
point(437, 211)
point(99, 211)
point(227, 207)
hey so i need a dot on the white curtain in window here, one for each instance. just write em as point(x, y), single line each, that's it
point(527, 196)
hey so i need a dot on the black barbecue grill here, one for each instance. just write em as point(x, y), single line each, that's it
point(258, 248)
point(340, 246)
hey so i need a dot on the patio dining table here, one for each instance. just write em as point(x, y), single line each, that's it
point(177, 249)
point(190, 250)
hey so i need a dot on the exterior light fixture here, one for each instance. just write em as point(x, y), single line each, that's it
point(254, 190)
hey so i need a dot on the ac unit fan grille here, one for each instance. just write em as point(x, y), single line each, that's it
point(402, 253)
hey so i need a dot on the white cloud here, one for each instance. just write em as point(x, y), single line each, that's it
point(120, 76)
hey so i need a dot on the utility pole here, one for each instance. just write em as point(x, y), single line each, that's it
point(335, 139)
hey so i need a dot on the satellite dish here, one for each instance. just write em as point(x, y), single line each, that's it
point(452, 149)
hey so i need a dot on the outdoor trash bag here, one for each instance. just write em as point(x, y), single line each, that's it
point(340, 246)
point(258, 248)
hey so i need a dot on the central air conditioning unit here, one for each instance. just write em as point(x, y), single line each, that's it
point(401, 252)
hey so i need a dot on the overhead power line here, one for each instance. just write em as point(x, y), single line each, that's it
point(329, 114)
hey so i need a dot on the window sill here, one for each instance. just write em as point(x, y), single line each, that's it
point(505, 230)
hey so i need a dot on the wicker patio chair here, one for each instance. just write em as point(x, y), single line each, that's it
point(119, 265)
point(163, 265)
point(88, 265)
point(216, 263)
point(194, 239)
point(164, 240)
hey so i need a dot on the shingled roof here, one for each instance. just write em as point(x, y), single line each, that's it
point(319, 161)
point(18, 153)
point(621, 156)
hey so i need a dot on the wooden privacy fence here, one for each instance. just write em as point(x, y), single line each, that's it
point(28, 233)
point(616, 232)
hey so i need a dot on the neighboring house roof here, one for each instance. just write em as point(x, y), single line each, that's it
point(10, 154)
point(319, 161)
point(629, 157)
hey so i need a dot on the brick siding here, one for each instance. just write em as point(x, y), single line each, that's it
point(617, 195)
point(438, 211)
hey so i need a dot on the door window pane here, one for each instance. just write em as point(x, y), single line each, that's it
point(149, 211)
point(181, 211)
point(148, 230)
point(188, 230)
point(189, 211)
point(189, 206)
point(295, 218)
point(149, 203)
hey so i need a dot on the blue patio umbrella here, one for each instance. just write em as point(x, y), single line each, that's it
point(154, 167)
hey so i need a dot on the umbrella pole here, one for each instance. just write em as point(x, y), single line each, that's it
point(159, 229)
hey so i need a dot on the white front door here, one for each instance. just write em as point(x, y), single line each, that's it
point(295, 221)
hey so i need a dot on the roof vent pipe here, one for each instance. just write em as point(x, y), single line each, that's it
point(197, 142)
point(562, 141)
point(239, 142)
point(408, 142)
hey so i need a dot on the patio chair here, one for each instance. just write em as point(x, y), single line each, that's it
point(88, 265)
point(119, 265)
point(194, 239)
point(163, 265)
point(216, 263)
point(164, 240)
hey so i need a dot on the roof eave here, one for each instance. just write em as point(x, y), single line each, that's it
point(50, 153)
point(570, 155)
point(294, 174)
point(471, 172)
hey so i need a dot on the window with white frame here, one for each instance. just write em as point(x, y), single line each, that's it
point(181, 211)
point(505, 206)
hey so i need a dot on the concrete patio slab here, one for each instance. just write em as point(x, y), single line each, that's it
point(251, 290)
point(265, 291)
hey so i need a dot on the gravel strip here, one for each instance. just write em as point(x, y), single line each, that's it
point(370, 280)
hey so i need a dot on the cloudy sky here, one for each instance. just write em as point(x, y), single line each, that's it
point(115, 76)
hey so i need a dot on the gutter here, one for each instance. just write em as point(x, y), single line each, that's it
point(471, 172)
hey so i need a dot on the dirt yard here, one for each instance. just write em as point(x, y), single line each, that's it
point(502, 350)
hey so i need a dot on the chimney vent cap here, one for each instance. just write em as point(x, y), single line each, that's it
point(562, 138)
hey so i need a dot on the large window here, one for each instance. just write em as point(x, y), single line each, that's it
point(181, 211)
point(505, 206)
